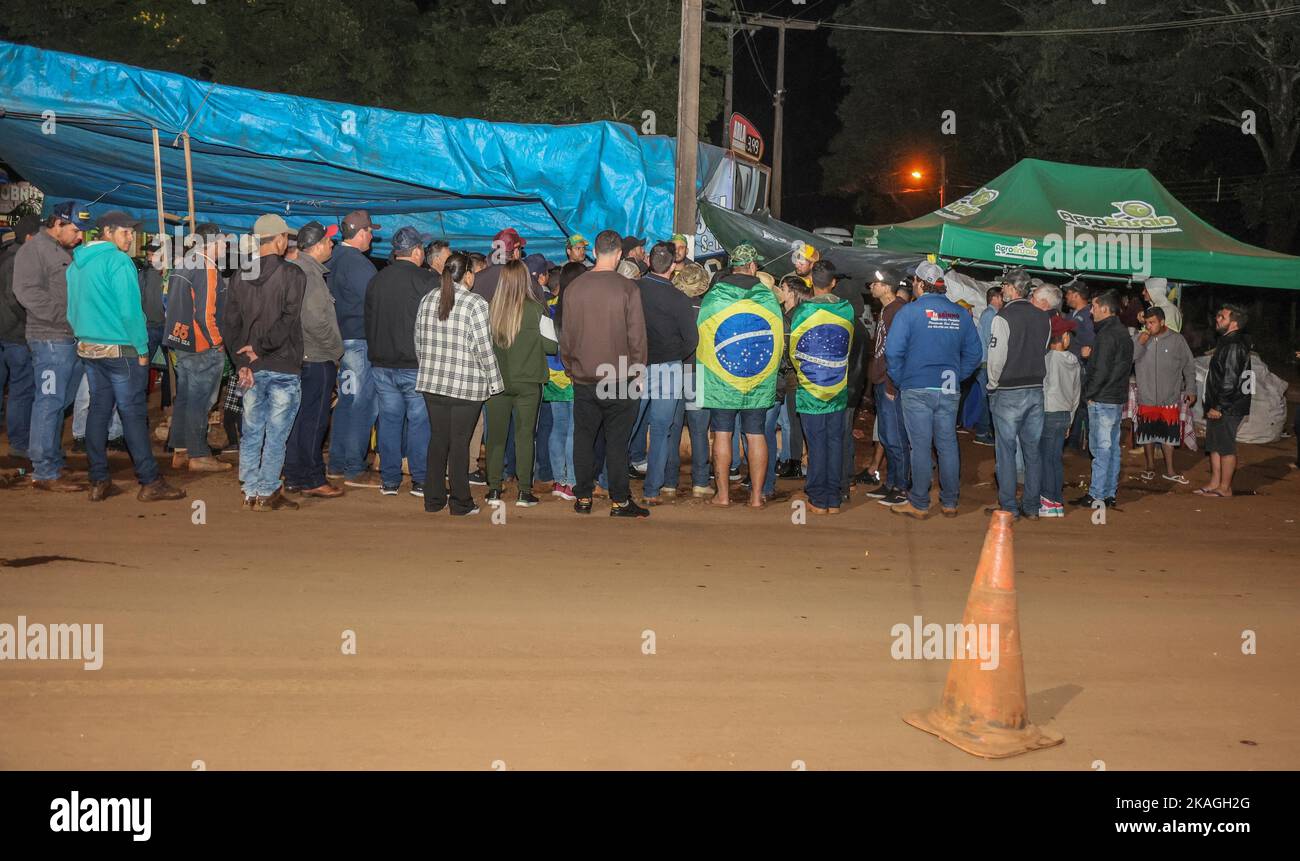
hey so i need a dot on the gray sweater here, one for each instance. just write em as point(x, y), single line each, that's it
point(320, 326)
point(1061, 384)
point(41, 285)
point(1166, 370)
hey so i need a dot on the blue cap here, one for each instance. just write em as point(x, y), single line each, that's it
point(71, 211)
point(407, 238)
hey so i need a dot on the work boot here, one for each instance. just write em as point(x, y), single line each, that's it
point(275, 502)
point(62, 484)
point(158, 491)
point(101, 490)
point(325, 491)
point(205, 464)
point(910, 510)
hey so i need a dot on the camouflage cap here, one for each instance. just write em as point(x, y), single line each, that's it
point(744, 254)
point(692, 279)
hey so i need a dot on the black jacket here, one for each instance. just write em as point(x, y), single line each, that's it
point(1225, 381)
point(13, 316)
point(392, 301)
point(1110, 365)
point(266, 313)
point(670, 325)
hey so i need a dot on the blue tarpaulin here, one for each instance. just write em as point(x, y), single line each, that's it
point(256, 152)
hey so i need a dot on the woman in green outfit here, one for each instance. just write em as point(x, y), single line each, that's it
point(516, 322)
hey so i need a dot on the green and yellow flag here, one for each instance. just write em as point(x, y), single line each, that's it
point(821, 337)
point(740, 347)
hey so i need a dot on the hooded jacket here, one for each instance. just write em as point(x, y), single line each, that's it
point(265, 313)
point(1166, 371)
point(104, 298)
point(1158, 290)
point(1225, 388)
point(41, 285)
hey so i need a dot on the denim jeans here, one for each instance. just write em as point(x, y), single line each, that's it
point(542, 449)
point(355, 412)
point(930, 417)
point(637, 451)
point(822, 434)
point(270, 407)
point(783, 425)
point(1103, 440)
point(561, 442)
point(119, 385)
point(847, 447)
point(697, 421)
point(198, 378)
point(403, 425)
point(1050, 452)
point(57, 372)
point(16, 372)
point(1018, 430)
point(304, 462)
point(665, 413)
point(770, 421)
point(81, 411)
point(984, 425)
point(893, 436)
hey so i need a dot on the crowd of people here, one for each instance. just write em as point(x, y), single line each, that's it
point(583, 375)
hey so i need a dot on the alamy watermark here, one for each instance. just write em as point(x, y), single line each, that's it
point(935, 642)
point(56, 642)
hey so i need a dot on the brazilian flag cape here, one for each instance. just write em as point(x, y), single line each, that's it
point(558, 386)
point(821, 336)
point(741, 341)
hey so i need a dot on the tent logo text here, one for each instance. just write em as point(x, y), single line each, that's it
point(1025, 249)
point(971, 204)
point(1130, 215)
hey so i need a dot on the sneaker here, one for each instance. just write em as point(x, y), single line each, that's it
point(417, 489)
point(789, 469)
point(867, 476)
point(735, 473)
point(118, 444)
point(493, 496)
point(745, 482)
point(983, 440)
point(564, 491)
point(582, 506)
point(905, 507)
point(948, 512)
point(363, 479)
point(627, 509)
point(895, 497)
point(701, 492)
point(478, 477)
point(470, 513)
point(79, 444)
point(637, 470)
point(1084, 501)
point(880, 492)
point(1111, 503)
point(526, 499)
point(387, 489)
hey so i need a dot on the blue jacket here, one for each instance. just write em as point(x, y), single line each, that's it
point(349, 275)
point(930, 341)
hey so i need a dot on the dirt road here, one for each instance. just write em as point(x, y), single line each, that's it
point(524, 645)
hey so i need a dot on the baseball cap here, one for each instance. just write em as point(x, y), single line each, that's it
point(1075, 285)
point(576, 240)
point(806, 252)
point(679, 237)
point(270, 225)
point(116, 218)
point(72, 213)
point(537, 264)
point(207, 229)
point(314, 232)
point(407, 238)
point(510, 238)
point(885, 276)
point(630, 242)
point(25, 226)
point(357, 219)
point(1062, 324)
point(930, 273)
point(692, 279)
point(744, 254)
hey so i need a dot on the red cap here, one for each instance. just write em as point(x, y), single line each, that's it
point(332, 231)
point(1061, 325)
point(510, 238)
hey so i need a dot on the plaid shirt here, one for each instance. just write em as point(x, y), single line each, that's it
point(456, 357)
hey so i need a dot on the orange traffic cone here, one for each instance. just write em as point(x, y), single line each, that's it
point(984, 711)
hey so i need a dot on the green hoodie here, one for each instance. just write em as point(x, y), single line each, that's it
point(104, 298)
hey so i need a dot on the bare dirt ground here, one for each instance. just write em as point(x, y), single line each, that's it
point(522, 644)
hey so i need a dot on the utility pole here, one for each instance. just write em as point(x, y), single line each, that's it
point(778, 100)
point(688, 114)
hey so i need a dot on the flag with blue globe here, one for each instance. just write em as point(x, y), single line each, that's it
point(741, 343)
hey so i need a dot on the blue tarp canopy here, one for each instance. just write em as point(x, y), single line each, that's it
point(256, 152)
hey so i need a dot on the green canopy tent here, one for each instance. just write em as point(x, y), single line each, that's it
point(1073, 218)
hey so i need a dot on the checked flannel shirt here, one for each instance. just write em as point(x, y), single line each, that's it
point(456, 357)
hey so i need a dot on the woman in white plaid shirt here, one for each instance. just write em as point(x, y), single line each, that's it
point(458, 372)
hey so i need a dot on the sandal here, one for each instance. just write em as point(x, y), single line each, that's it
point(1148, 475)
point(1177, 479)
point(1208, 492)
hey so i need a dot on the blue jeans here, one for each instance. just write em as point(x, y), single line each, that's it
point(930, 417)
point(1018, 430)
point(81, 411)
point(355, 412)
point(1050, 452)
point(403, 425)
point(561, 442)
point(16, 372)
point(1103, 440)
point(823, 435)
point(984, 426)
point(697, 421)
point(304, 464)
point(57, 372)
point(770, 421)
point(542, 450)
point(665, 413)
point(637, 452)
point(119, 384)
point(783, 425)
point(270, 407)
point(198, 379)
point(893, 436)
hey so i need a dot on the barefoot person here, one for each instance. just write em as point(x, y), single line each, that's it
point(1228, 388)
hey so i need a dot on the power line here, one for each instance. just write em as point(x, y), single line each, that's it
point(753, 54)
